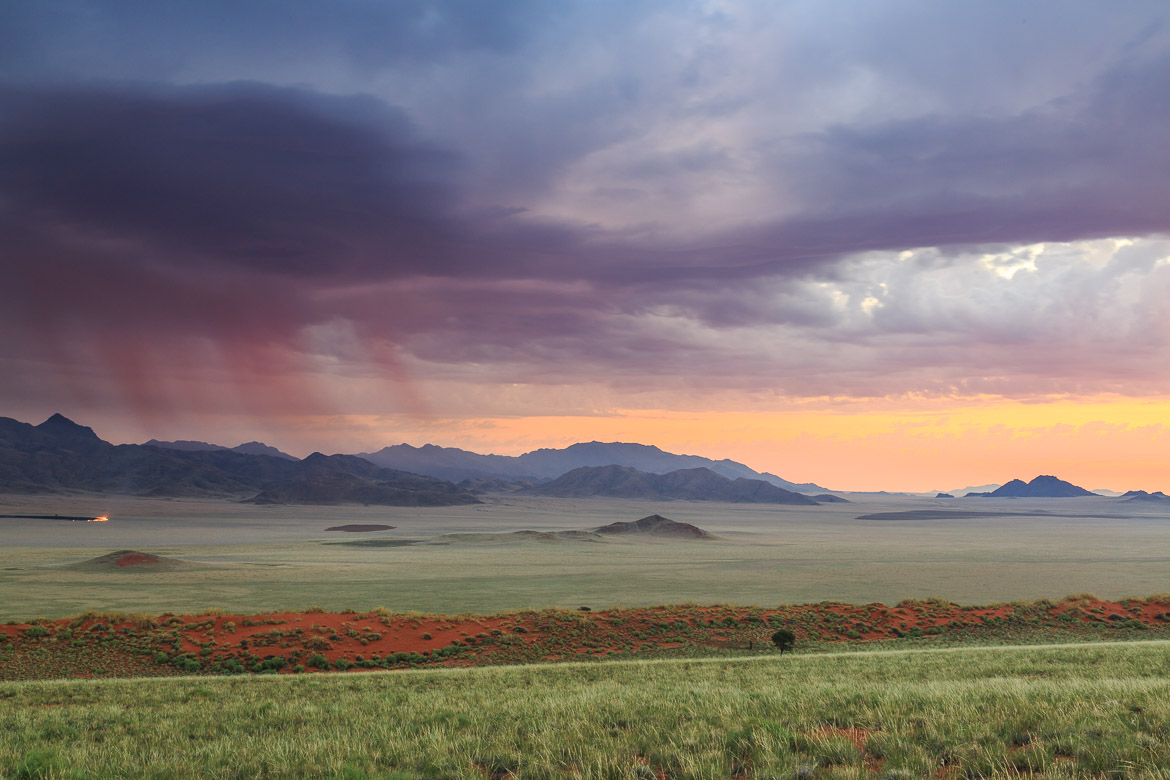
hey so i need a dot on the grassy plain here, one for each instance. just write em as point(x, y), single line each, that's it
point(1058, 711)
point(276, 558)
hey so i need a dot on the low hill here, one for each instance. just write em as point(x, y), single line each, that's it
point(1041, 487)
point(543, 464)
point(514, 537)
point(655, 525)
point(133, 561)
point(829, 498)
point(699, 484)
point(1157, 497)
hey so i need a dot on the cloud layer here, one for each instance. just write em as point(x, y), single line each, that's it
point(914, 199)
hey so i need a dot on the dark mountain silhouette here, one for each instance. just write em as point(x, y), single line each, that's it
point(1040, 487)
point(456, 464)
point(248, 448)
point(944, 495)
point(699, 484)
point(656, 525)
point(1157, 497)
point(59, 455)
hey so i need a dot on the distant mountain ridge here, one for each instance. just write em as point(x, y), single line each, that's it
point(699, 484)
point(455, 464)
point(60, 455)
point(1044, 486)
point(1157, 497)
point(248, 448)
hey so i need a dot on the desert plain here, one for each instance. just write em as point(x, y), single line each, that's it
point(879, 548)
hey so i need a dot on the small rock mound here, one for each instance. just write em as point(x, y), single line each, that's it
point(132, 560)
point(656, 525)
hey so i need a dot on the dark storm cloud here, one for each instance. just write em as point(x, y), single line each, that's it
point(239, 175)
point(586, 188)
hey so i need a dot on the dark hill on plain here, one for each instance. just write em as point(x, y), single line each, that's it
point(135, 562)
point(455, 464)
point(657, 526)
point(699, 484)
point(61, 456)
point(1040, 487)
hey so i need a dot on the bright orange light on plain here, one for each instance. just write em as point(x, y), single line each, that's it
point(102, 519)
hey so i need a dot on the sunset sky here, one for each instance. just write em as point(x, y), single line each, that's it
point(875, 245)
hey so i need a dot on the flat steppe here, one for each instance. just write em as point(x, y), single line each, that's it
point(271, 558)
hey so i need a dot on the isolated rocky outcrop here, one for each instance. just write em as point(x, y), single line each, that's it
point(1041, 487)
point(657, 526)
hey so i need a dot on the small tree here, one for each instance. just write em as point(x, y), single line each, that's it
point(784, 640)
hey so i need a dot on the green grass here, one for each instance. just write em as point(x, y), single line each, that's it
point(1098, 710)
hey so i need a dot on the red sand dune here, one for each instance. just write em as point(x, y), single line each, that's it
point(552, 635)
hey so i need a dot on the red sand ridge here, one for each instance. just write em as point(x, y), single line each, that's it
point(316, 640)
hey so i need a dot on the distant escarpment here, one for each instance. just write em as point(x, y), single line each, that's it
point(699, 484)
point(1040, 487)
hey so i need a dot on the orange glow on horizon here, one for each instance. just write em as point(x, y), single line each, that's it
point(1100, 442)
point(102, 519)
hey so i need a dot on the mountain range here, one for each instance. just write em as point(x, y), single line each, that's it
point(698, 484)
point(455, 464)
point(60, 455)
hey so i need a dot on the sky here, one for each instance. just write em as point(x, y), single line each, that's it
point(895, 245)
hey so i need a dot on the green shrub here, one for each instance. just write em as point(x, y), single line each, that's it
point(784, 639)
point(36, 632)
point(318, 661)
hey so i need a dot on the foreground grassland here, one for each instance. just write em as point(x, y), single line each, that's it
point(1098, 710)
